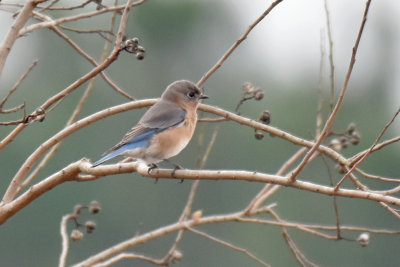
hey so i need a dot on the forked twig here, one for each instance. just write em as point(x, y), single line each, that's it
point(227, 244)
point(118, 47)
point(76, 111)
point(339, 102)
point(369, 150)
point(237, 43)
point(14, 88)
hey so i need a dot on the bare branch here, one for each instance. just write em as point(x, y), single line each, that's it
point(300, 257)
point(339, 102)
point(126, 255)
point(377, 177)
point(59, 21)
point(39, 152)
point(377, 147)
point(76, 111)
point(118, 47)
point(15, 88)
point(331, 63)
point(370, 150)
point(64, 239)
point(12, 35)
point(227, 244)
point(236, 44)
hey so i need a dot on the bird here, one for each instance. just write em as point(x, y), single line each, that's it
point(164, 129)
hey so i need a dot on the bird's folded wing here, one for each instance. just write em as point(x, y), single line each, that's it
point(161, 116)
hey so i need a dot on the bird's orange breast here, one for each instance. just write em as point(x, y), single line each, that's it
point(172, 141)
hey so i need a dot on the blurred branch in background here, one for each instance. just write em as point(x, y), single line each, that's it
point(17, 108)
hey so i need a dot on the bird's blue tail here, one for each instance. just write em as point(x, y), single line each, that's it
point(121, 150)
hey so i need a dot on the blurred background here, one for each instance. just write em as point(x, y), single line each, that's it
point(183, 40)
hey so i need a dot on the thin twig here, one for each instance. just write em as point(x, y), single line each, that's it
point(369, 151)
point(64, 239)
point(391, 210)
point(189, 203)
point(86, 55)
point(331, 63)
point(227, 244)
point(62, 20)
point(300, 257)
point(335, 204)
point(125, 255)
point(269, 189)
point(377, 147)
point(377, 177)
point(320, 85)
point(12, 35)
point(14, 88)
point(50, 6)
point(84, 31)
point(118, 47)
point(237, 43)
point(75, 113)
point(339, 102)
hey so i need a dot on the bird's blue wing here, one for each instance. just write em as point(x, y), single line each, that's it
point(161, 116)
point(141, 140)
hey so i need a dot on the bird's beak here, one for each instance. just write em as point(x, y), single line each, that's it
point(203, 97)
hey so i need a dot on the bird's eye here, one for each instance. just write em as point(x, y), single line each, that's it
point(191, 94)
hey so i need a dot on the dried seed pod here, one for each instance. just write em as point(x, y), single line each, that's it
point(363, 239)
point(335, 144)
point(265, 117)
point(258, 94)
point(248, 88)
point(90, 226)
point(258, 135)
point(139, 55)
point(94, 207)
point(76, 235)
point(351, 128)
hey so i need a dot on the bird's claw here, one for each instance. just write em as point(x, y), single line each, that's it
point(151, 167)
point(177, 167)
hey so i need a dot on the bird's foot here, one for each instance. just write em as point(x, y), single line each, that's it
point(151, 166)
point(177, 167)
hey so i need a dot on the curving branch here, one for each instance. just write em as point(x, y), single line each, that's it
point(118, 47)
point(338, 105)
point(12, 35)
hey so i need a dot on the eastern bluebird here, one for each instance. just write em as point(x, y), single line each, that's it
point(164, 130)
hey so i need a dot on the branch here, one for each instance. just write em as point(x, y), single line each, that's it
point(118, 47)
point(79, 106)
point(56, 22)
point(82, 171)
point(64, 239)
point(377, 147)
point(15, 88)
point(41, 150)
point(331, 63)
point(13, 33)
point(227, 244)
point(369, 150)
point(233, 217)
point(339, 102)
point(236, 44)
point(85, 55)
